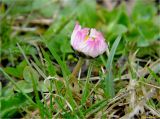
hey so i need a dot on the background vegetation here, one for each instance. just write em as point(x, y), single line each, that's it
point(37, 59)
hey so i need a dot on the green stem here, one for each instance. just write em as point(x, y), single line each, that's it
point(77, 67)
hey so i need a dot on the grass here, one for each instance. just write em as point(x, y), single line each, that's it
point(43, 77)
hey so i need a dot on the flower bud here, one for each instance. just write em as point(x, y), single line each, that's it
point(88, 41)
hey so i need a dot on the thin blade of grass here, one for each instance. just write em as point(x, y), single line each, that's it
point(86, 88)
point(96, 107)
point(66, 73)
point(50, 68)
point(154, 75)
point(25, 57)
point(40, 105)
point(34, 77)
point(64, 68)
point(109, 86)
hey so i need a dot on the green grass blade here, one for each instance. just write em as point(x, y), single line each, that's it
point(34, 77)
point(50, 67)
point(65, 72)
point(63, 66)
point(86, 87)
point(96, 107)
point(154, 75)
point(109, 86)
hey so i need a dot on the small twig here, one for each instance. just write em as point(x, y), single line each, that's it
point(150, 84)
point(42, 21)
point(24, 29)
point(91, 78)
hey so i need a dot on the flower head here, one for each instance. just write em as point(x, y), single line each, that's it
point(88, 41)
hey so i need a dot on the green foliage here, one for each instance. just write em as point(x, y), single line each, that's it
point(18, 71)
point(30, 73)
point(36, 63)
point(87, 13)
point(39, 5)
point(10, 105)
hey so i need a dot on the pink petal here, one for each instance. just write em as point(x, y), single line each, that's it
point(92, 44)
point(76, 29)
